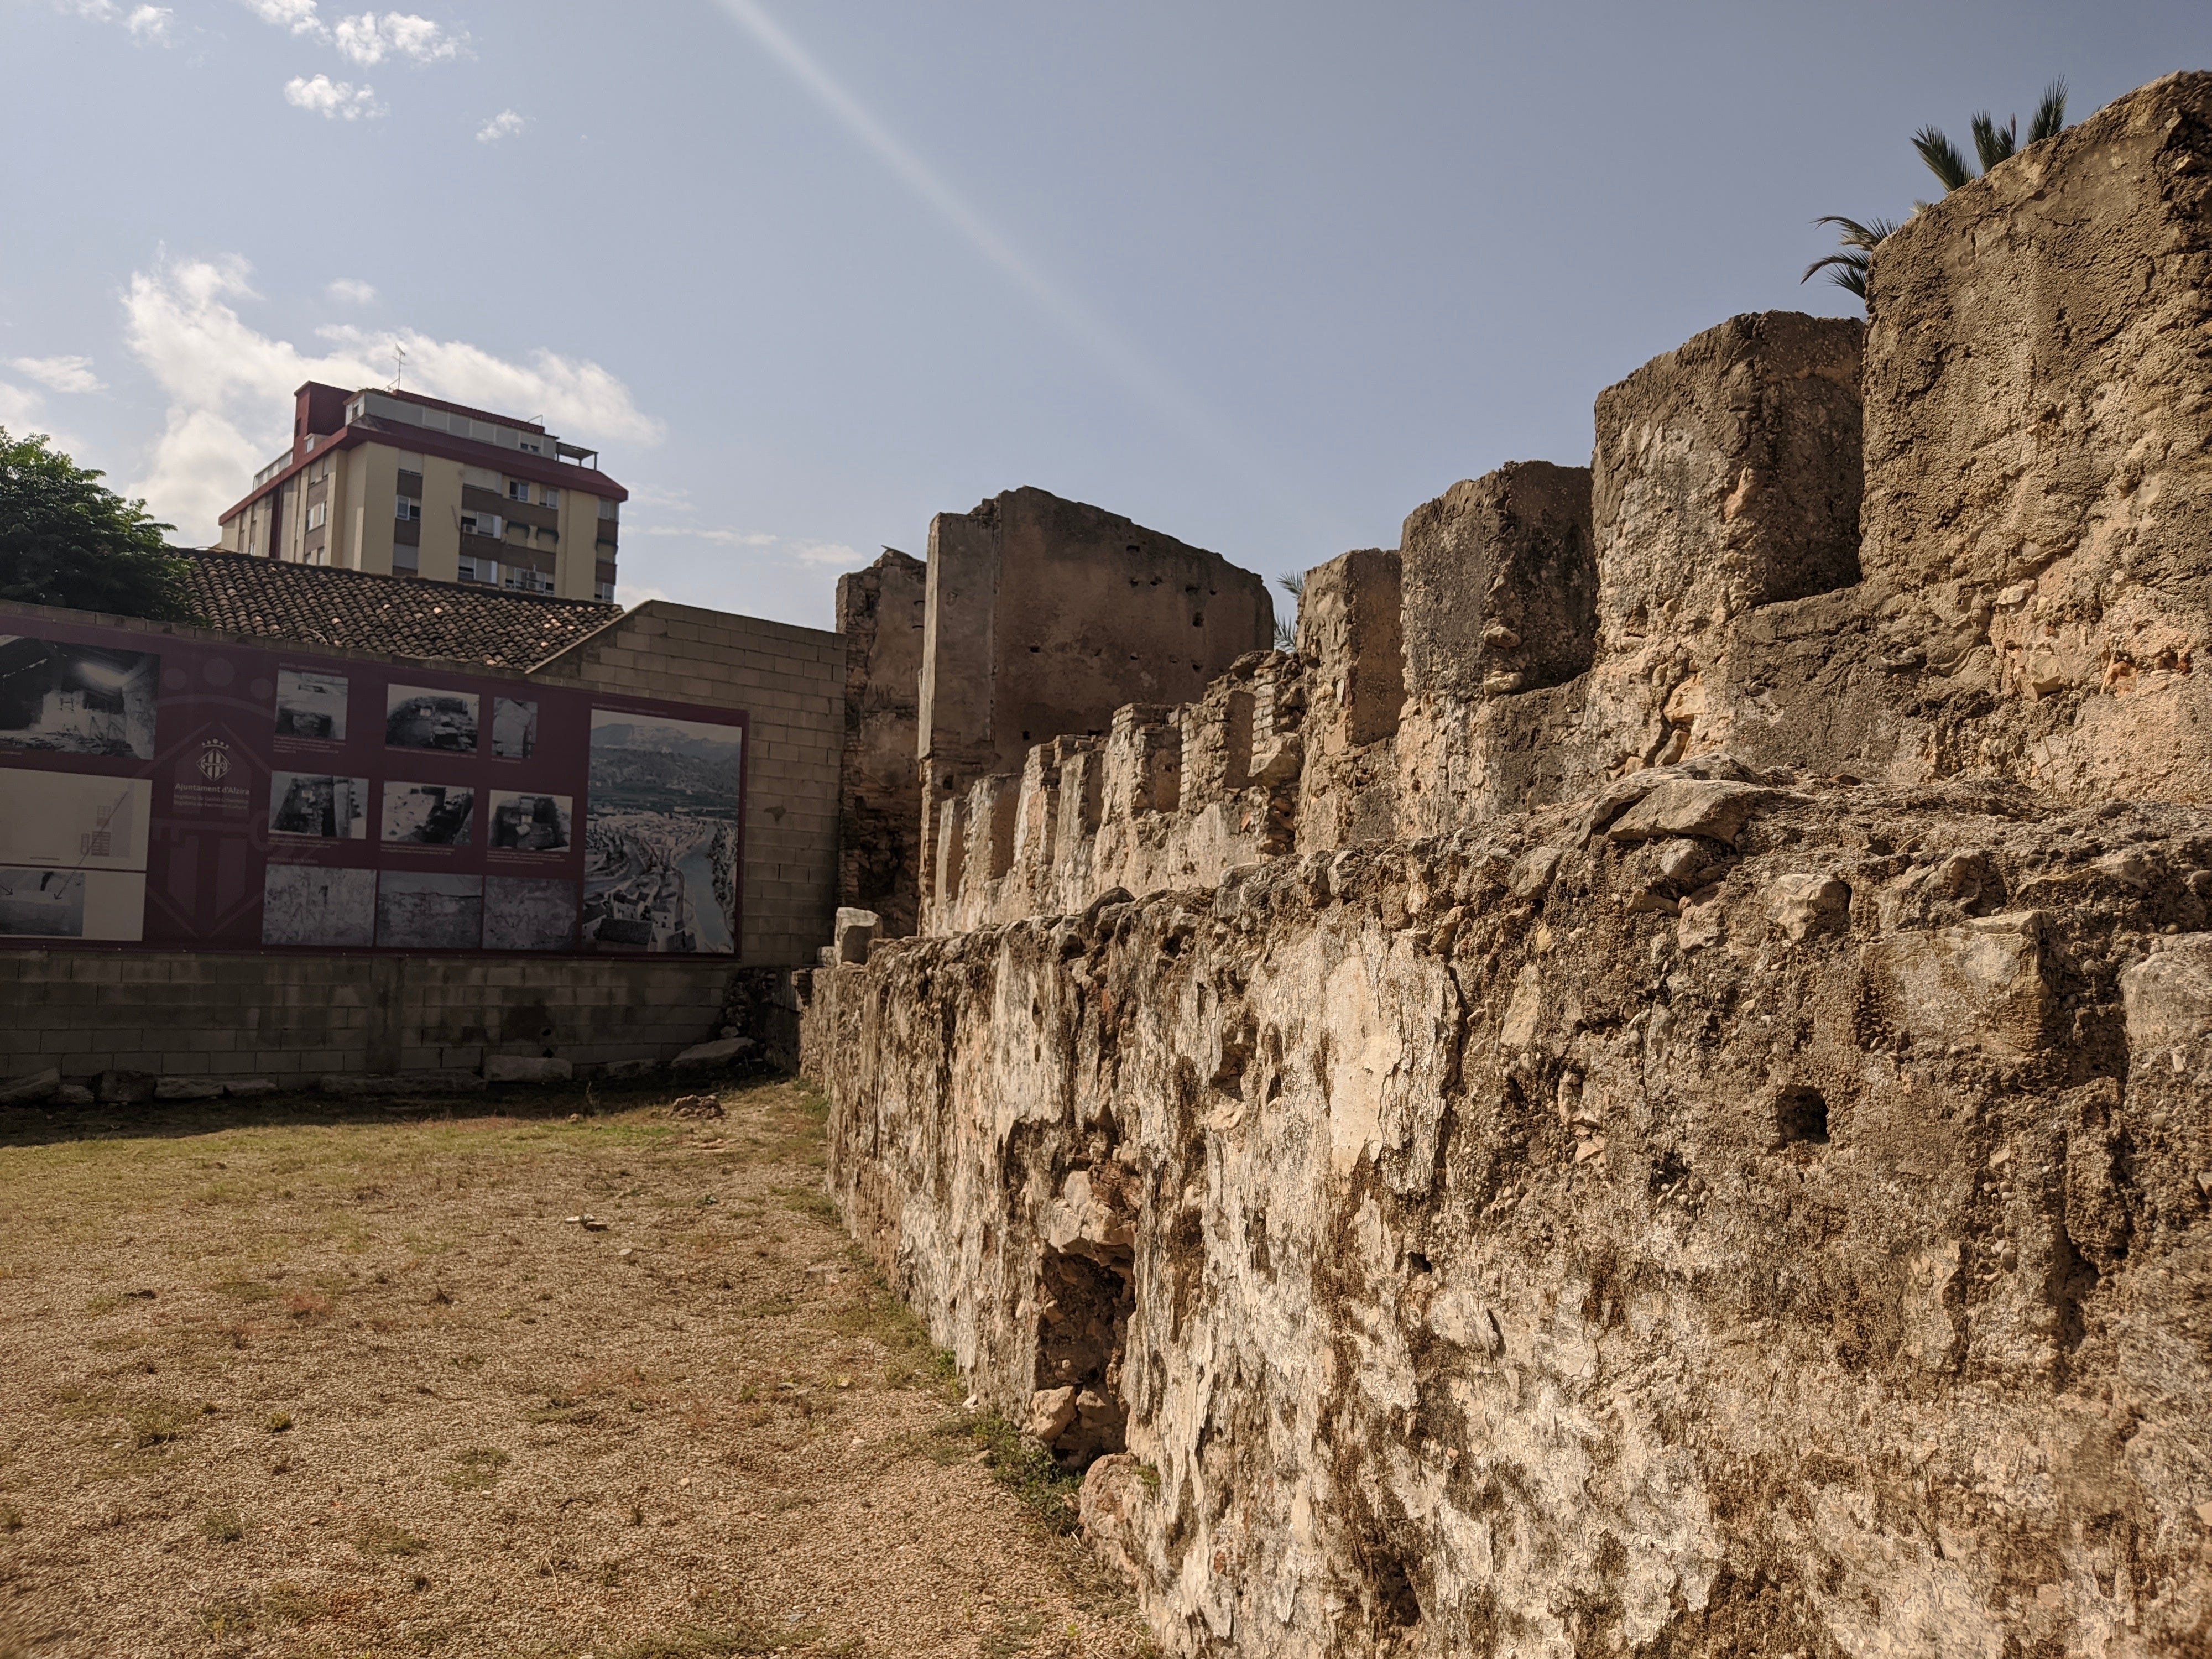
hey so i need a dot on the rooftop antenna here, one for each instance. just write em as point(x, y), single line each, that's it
point(399, 365)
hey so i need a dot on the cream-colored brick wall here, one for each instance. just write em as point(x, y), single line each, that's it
point(791, 682)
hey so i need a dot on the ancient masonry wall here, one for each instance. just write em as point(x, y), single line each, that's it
point(880, 614)
point(1654, 1093)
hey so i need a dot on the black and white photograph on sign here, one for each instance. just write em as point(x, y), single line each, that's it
point(311, 704)
point(301, 904)
point(526, 822)
point(429, 912)
point(310, 804)
point(429, 814)
point(73, 700)
point(87, 905)
point(528, 912)
point(514, 727)
point(660, 834)
point(74, 820)
point(41, 903)
point(418, 717)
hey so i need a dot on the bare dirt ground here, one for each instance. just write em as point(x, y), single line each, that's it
point(284, 1382)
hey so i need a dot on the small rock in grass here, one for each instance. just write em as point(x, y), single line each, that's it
point(697, 1106)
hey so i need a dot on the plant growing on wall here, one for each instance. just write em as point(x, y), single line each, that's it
point(1286, 629)
point(1992, 144)
point(66, 539)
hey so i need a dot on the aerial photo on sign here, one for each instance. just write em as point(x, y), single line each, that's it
point(660, 834)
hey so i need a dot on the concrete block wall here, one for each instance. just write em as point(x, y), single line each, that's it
point(791, 682)
point(185, 1013)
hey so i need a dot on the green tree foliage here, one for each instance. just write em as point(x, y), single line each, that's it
point(1992, 144)
point(66, 539)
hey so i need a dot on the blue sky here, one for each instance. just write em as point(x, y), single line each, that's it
point(1265, 277)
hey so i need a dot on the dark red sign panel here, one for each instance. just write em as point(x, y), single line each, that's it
point(163, 792)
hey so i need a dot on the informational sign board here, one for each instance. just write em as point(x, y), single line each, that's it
point(168, 793)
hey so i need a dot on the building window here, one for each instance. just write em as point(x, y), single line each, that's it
point(517, 489)
point(410, 508)
point(480, 570)
point(605, 591)
point(606, 508)
point(526, 581)
point(318, 512)
point(480, 524)
point(547, 495)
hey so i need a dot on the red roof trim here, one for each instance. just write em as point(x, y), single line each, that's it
point(514, 462)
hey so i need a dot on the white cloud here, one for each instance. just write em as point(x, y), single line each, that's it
point(369, 39)
point(726, 538)
point(834, 556)
point(19, 409)
point(149, 25)
point(629, 598)
point(60, 373)
point(332, 99)
point(22, 412)
point(297, 15)
point(230, 386)
point(350, 291)
point(505, 125)
point(574, 398)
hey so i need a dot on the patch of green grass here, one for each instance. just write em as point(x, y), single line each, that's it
point(382, 1538)
point(222, 1527)
point(246, 1290)
point(156, 1425)
point(227, 1619)
point(1021, 1466)
point(476, 1469)
point(278, 1422)
point(809, 1201)
point(11, 1518)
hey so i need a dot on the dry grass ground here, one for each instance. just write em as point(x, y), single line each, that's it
point(282, 1381)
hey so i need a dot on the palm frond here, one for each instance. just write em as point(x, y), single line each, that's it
point(2050, 113)
point(1994, 143)
point(1942, 158)
point(1856, 235)
point(1294, 582)
point(1849, 272)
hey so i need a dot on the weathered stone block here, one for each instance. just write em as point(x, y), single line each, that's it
point(1726, 476)
point(34, 1086)
point(2038, 442)
point(1500, 576)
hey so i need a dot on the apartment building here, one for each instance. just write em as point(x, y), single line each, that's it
point(395, 483)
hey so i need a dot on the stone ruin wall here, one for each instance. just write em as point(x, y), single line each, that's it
point(1656, 1092)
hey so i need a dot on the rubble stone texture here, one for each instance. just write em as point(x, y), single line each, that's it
point(1648, 1099)
point(879, 612)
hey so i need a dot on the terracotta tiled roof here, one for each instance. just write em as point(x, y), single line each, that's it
point(398, 616)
